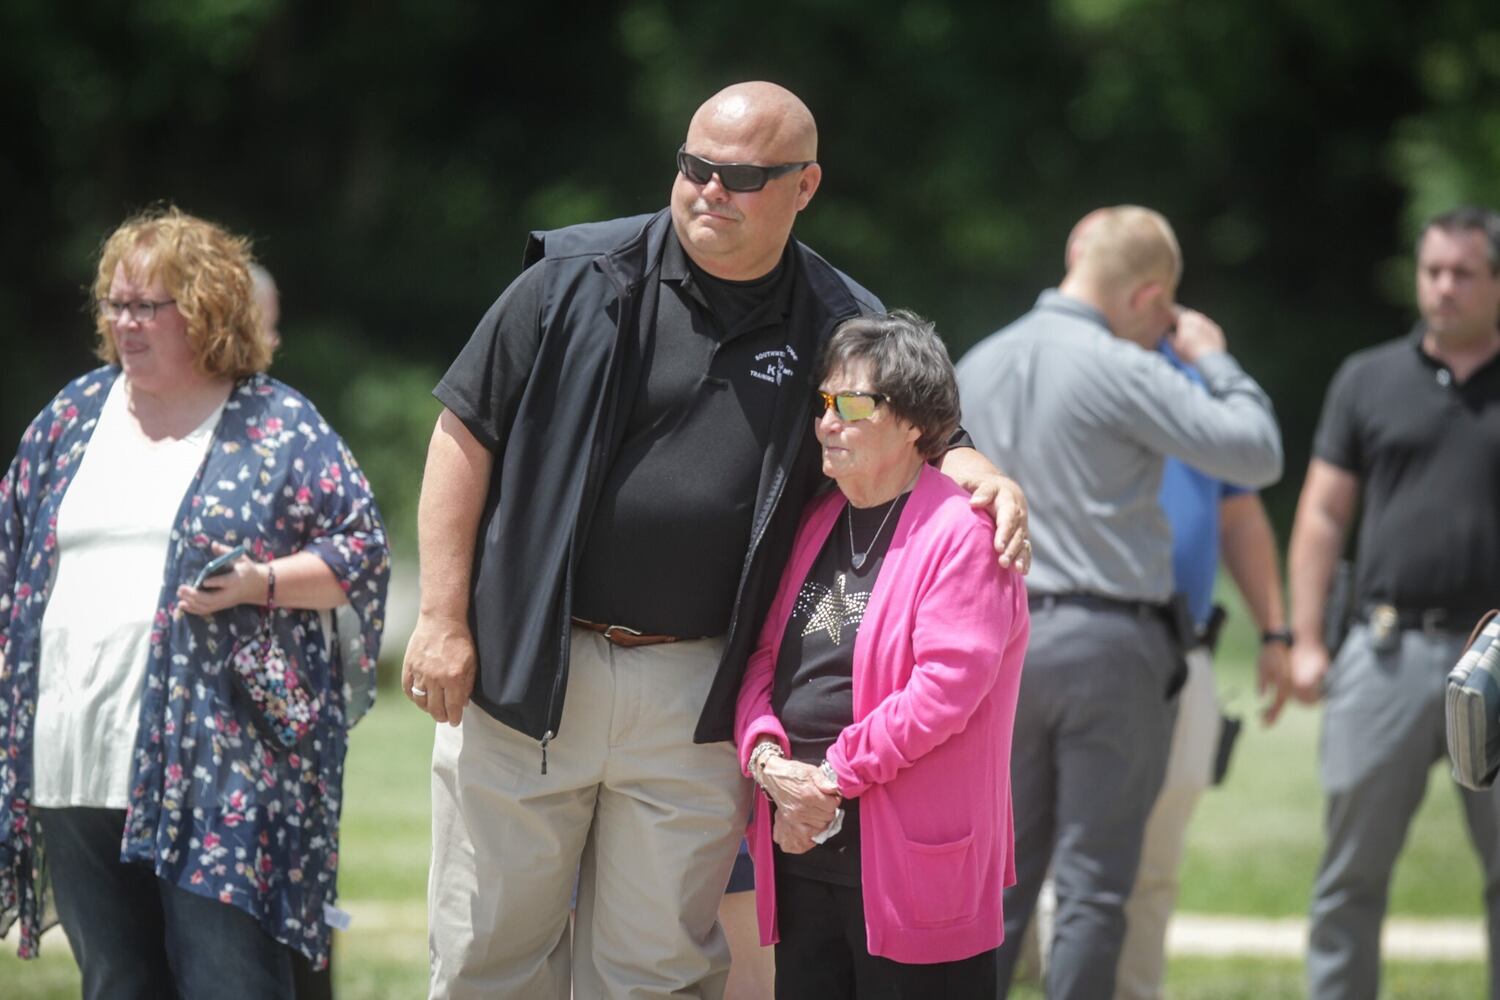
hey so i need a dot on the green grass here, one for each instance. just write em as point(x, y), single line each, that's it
point(1253, 849)
point(51, 977)
point(382, 877)
point(1254, 844)
point(387, 835)
point(1267, 979)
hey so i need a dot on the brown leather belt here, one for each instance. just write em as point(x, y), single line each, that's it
point(622, 635)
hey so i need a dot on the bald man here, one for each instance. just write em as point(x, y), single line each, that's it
point(268, 298)
point(1076, 402)
point(611, 490)
point(1207, 517)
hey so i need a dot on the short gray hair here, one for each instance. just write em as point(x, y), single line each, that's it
point(910, 366)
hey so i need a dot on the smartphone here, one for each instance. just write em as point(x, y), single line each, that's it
point(220, 564)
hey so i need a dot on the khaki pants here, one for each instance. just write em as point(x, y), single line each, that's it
point(1195, 738)
point(648, 821)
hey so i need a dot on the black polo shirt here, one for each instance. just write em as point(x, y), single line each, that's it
point(1427, 453)
point(667, 542)
point(813, 692)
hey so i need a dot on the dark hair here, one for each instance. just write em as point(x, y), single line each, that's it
point(1468, 218)
point(911, 367)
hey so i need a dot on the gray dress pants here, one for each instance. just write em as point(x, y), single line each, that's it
point(1382, 732)
point(1093, 726)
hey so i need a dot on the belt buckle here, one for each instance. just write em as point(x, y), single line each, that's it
point(626, 629)
point(1384, 621)
point(1434, 620)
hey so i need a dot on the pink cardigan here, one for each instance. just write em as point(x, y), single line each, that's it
point(937, 665)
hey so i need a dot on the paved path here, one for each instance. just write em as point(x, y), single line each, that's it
point(1409, 939)
point(1406, 938)
point(1189, 934)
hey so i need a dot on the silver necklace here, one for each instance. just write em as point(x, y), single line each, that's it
point(857, 558)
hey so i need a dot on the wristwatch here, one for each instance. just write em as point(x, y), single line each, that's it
point(1281, 635)
point(827, 771)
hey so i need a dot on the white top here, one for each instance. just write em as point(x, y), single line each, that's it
point(113, 529)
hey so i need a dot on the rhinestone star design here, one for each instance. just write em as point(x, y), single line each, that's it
point(830, 609)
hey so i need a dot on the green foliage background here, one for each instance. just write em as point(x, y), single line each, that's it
point(389, 156)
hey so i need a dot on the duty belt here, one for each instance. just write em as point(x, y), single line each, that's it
point(1096, 602)
point(1179, 630)
point(1386, 619)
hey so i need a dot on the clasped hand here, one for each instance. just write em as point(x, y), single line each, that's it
point(1308, 668)
point(806, 802)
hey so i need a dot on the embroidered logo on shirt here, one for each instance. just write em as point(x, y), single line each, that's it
point(830, 609)
point(773, 366)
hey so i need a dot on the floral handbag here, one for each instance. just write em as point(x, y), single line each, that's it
point(273, 681)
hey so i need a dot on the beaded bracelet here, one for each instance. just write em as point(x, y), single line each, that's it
point(758, 760)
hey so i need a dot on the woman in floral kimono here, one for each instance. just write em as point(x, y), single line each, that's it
point(172, 748)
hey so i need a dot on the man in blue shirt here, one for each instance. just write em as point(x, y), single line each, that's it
point(1208, 517)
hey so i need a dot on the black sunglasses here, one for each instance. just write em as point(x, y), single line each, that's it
point(741, 177)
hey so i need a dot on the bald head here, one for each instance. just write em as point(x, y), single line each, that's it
point(1079, 234)
point(1125, 262)
point(768, 116)
point(740, 235)
point(1114, 248)
point(268, 298)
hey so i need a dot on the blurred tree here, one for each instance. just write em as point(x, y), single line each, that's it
point(389, 157)
point(1450, 151)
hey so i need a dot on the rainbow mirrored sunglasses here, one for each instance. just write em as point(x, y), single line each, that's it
point(853, 405)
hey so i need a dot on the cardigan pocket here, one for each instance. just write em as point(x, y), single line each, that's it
point(941, 882)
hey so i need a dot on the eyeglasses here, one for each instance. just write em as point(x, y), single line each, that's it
point(141, 310)
point(741, 177)
point(853, 405)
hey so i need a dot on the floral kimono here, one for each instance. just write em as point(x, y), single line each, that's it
point(216, 807)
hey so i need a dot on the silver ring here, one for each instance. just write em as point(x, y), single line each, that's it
point(417, 692)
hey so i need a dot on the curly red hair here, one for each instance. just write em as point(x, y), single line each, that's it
point(206, 269)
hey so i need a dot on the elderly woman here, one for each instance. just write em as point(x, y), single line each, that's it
point(876, 712)
point(172, 748)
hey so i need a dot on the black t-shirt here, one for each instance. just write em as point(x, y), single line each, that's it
point(1427, 454)
point(667, 542)
point(813, 693)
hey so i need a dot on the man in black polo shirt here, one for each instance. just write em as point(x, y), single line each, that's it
point(610, 494)
point(1414, 426)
